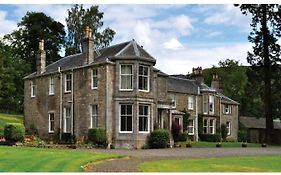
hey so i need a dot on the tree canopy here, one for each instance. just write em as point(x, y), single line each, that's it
point(77, 20)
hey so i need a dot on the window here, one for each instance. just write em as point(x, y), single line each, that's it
point(190, 102)
point(51, 122)
point(68, 83)
point(95, 78)
point(126, 77)
point(212, 126)
point(51, 86)
point(190, 127)
point(174, 100)
point(67, 120)
point(205, 104)
point(227, 109)
point(32, 88)
point(143, 118)
point(143, 78)
point(205, 126)
point(211, 104)
point(94, 116)
point(228, 127)
point(126, 118)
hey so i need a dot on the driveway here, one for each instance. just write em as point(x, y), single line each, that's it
point(135, 157)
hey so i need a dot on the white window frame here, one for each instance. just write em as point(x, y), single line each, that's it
point(64, 119)
point(94, 115)
point(144, 76)
point(212, 127)
point(147, 116)
point(51, 85)
point(205, 104)
point(190, 102)
point(227, 110)
point(132, 77)
point(174, 100)
point(32, 89)
point(126, 115)
point(94, 76)
point(211, 102)
point(190, 127)
point(51, 121)
point(65, 82)
point(205, 126)
point(228, 127)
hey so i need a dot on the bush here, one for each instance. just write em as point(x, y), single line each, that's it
point(182, 137)
point(14, 132)
point(223, 132)
point(159, 139)
point(210, 137)
point(242, 135)
point(176, 129)
point(97, 136)
point(67, 138)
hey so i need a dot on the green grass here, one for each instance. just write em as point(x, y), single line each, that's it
point(213, 144)
point(7, 118)
point(225, 164)
point(15, 159)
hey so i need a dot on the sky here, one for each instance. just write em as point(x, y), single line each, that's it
point(178, 36)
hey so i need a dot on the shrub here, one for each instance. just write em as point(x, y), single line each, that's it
point(97, 136)
point(67, 138)
point(159, 139)
point(210, 137)
point(176, 129)
point(223, 132)
point(185, 120)
point(182, 137)
point(14, 132)
point(242, 135)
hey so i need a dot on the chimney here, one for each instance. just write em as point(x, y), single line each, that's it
point(197, 74)
point(215, 84)
point(41, 58)
point(87, 47)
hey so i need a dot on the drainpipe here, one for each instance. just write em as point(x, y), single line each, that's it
point(72, 100)
point(59, 71)
point(196, 119)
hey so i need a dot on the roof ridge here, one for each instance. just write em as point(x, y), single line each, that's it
point(114, 45)
point(136, 50)
point(124, 48)
point(171, 76)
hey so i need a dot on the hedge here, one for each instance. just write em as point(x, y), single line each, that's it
point(159, 138)
point(14, 132)
point(97, 136)
point(210, 137)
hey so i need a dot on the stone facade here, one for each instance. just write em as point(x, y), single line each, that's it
point(74, 108)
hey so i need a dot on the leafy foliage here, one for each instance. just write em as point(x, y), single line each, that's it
point(97, 136)
point(159, 138)
point(223, 132)
point(14, 132)
point(77, 20)
point(185, 120)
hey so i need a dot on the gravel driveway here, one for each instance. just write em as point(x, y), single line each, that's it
point(135, 157)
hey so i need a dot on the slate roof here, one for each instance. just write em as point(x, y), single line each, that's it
point(257, 123)
point(126, 50)
point(182, 85)
point(227, 100)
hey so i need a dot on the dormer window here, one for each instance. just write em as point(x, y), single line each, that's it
point(143, 78)
point(68, 83)
point(126, 77)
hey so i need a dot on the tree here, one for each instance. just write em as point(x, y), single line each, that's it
point(12, 70)
point(77, 20)
point(266, 25)
point(33, 27)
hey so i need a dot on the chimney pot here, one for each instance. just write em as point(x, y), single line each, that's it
point(41, 58)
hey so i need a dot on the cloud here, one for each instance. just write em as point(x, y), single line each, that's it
point(228, 15)
point(173, 44)
point(7, 26)
point(214, 34)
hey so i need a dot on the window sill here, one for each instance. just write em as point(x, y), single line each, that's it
point(126, 132)
point(126, 90)
point(51, 132)
point(144, 132)
point(32, 96)
point(67, 92)
point(51, 94)
point(191, 134)
point(143, 90)
point(94, 88)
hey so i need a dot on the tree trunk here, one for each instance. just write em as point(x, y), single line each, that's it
point(267, 78)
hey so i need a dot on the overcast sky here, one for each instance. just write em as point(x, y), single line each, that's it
point(179, 37)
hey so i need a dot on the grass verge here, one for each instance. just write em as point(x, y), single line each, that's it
point(8, 118)
point(17, 159)
point(225, 164)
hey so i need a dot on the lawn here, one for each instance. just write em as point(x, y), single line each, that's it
point(224, 144)
point(7, 118)
point(16, 159)
point(225, 164)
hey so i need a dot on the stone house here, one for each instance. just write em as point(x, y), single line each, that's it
point(118, 88)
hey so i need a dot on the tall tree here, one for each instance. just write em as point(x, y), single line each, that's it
point(266, 25)
point(77, 20)
point(33, 27)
